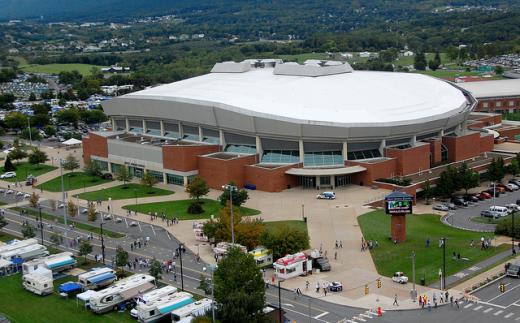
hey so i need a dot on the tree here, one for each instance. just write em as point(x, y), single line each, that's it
point(91, 212)
point(56, 239)
point(33, 201)
point(148, 180)
point(16, 121)
point(285, 240)
point(8, 165)
point(28, 231)
point(204, 285)
point(68, 116)
point(70, 163)
point(17, 154)
point(32, 97)
point(3, 221)
point(155, 269)
point(72, 209)
point(467, 178)
point(446, 184)
point(92, 168)
point(121, 256)
point(239, 196)
point(496, 170)
point(427, 191)
point(239, 288)
point(37, 157)
point(196, 189)
point(514, 167)
point(419, 62)
point(499, 70)
point(85, 248)
point(124, 176)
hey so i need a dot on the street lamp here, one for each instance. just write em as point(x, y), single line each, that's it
point(110, 206)
point(180, 259)
point(414, 291)
point(212, 268)
point(280, 301)
point(63, 198)
point(443, 263)
point(41, 222)
point(102, 240)
point(513, 251)
point(231, 188)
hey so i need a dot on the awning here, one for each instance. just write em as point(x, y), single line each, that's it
point(132, 292)
point(101, 278)
point(71, 142)
point(325, 171)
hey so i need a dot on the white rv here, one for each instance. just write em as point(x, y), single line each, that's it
point(121, 292)
point(17, 244)
point(97, 277)
point(155, 311)
point(39, 282)
point(153, 296)
point(55, 263)
point(26, 253)
point(194, 309)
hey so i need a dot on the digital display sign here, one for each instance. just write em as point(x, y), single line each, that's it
point(398, 204)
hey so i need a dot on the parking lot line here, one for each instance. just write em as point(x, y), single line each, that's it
point(498, 312)
point(509, 315)
point(468, 305)
point(478, 308)
point(489, 310)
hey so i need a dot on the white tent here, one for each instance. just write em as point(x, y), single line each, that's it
point(71, 142)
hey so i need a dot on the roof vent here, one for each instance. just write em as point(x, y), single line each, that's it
point(313, 68)
point(231, 67)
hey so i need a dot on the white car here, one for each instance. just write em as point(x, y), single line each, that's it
point(513, 207)
point(512, 186)
point(9, 192)
point(119, 220)
point(8, 175)
point(27, 196)
point(61, 206)
point(400, 278)
point(19, 193)
point(133, 224)
point(107, 217)
point(441, 207)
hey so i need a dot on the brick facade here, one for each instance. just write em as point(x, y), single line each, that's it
point(435, 151)
point(411, 160)
point(270, 179)
point(184, 157)
point(462, 147)
point(385, 168)
point(509, 132)
point(218, 172)
point(498, 105)
point(398, 228)
point(487, 143)
point(94, 145)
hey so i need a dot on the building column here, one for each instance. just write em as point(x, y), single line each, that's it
point(109, 167)
point(345, 151)
point(259, 149)
point(181, 131)
point(162, 128)
point(222, 139)
point(460, 130)
point(302, 152)
point(127, 124)
point(145, 128)
point(382, 146)
point(441, 133)
point(413, 141)
point(185, 178)
point(164, 179)
point(332, 184)
point(318, 182)
point(114, 125)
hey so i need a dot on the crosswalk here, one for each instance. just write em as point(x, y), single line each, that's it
point(363, 317)
point(493, 310)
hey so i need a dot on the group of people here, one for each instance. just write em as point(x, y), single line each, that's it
point(139, 243)
point(424, 301)
point(155, 215)
point(368, 244)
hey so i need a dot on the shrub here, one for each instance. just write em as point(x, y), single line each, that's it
point(195, 208)
point(396, 181)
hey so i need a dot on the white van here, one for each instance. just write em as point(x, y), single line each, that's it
point(326, 196)
point(500, 210)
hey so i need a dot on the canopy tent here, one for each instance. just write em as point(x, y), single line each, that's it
point(69, 287)
point(72, 142)
point(85, 297)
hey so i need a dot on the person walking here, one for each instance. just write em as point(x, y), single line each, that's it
point(317, 287)
point(420, 301)
point(457, 303)
point(307, 285)
point(429, 306)
point(395, 300)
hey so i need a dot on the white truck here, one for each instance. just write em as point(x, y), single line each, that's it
point(97, 278)
point(153, 296)
point(26, 253)
point(39, 282)
point(155, 311)
point(56, 263)
point(121, 293)
point(192, 310)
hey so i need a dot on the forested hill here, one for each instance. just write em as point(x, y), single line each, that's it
point(233, 11)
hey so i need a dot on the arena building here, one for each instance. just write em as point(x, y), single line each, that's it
point(270, 125)
point(498, 96)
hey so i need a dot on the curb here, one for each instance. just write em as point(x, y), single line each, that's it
point(487, 284)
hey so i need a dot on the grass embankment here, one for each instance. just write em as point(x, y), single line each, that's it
point(390, 257)
point(179, 209)
point(84, 69)
point(25, 169)
point(122, 192)
point(72, 181)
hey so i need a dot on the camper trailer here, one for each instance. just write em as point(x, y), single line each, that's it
point(155, 311)
point(97, 278)
point(8, 267)
point(17, 244)
point(263, 256)
point(39, 282)
point(55, 263)
point(26, 253)
point(194, 309)
point(293, 265)
point(121, 293)
point(152, 296)
point(222, 248)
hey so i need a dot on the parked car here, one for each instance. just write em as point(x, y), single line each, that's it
point(119, 220)
point(503, 188)
point(106, 175)
point(470, 198)
point(512, 186)
point(133, 224)
point(485, 195)
point(459, 201)
point(400, 278)
point(335, 286)
point(441, 207)
point(489, 214)
point(491, 192)
point(513, 269)
point(513, 207)
point(321, 263)
point(501, 210)
point(326, 196)
point(8, 175)
point(107, 217)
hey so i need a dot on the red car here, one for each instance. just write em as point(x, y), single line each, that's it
point(485, 195)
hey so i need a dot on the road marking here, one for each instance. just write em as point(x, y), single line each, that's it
point(502, 294)
point(305, 315)
point(126, 222)
point(478, 308)
point(468, 305)
point(518, 319)
point(509, 315)
point(168, 235)
point(359, 319)
point(489, 310)
point(139, 224)
point(491, 304)
point(498, 312)
point(151, 226)
point(365, 315)
point(321, 315)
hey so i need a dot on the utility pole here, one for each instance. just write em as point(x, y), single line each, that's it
point(231, 188)
point(180, 258)
point(279, 302)
point(63, 198)
point(102, 241)
point(41, 222)
point(414, 291)
point(513, 251)
point(444, 263)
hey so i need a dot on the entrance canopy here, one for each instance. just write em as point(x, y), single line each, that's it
point(325, 171)
point(71, 142)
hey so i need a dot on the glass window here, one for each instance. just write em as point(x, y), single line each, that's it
point(157, 175)
point(174, 179)
point(281, 156)
point(485, 104)
point(136, 130)
point(363, 154)
point(171, 134)
point(498, 104)
point(154, 132)
point(191, 137)
point(211, 140)
point(241, 149)
point(191, 177)
point(103, 165)
point(135, 171)
point(115, 167)
point(323, 158)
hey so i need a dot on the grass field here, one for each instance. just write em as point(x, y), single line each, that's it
point(300, 225)
point(25, 169)
point(390, 258)
point(178, 209)
point(481, 219)
point(21, 306)
point(72, 181)
point(122, 192)
point(79, 225)
point(84, 69)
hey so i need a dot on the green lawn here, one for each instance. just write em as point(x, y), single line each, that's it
point(84, 69)
point(72, 181)
point(122, 192)
point(178, 209)
point(25, 169)
point(21, 306)
point(300, 225)
point(481, 219)
point(390, 258)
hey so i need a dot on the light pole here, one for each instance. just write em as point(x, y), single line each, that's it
point(41, 222)
point(102, 241)
point(212, 268)
point(443, 263)
point(180, 259)
point(231, 188)
point(414, 291)
point(279, 301)
point(110, 206)
point(513, 251)
point(63, 198)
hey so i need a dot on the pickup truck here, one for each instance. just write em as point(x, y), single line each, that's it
point(400, 278)
point(513, 270)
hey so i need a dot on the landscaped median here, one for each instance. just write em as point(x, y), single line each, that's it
point(72, 181)
point(78, 225)
point(389, 257)
point(25, 169)
point(122, 192)
point(179, 209)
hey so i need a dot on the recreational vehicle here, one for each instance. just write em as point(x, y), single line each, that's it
point(152, 296)
point(8, 267)
point(96, 278)
point(17, 244)
point(121, 293)
point(26, 253)
point(55, 263)
point(194, 309)
point(222, 248)
point(39, 282)
point(292, 266)
point(155, 311)
point(263, 256)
